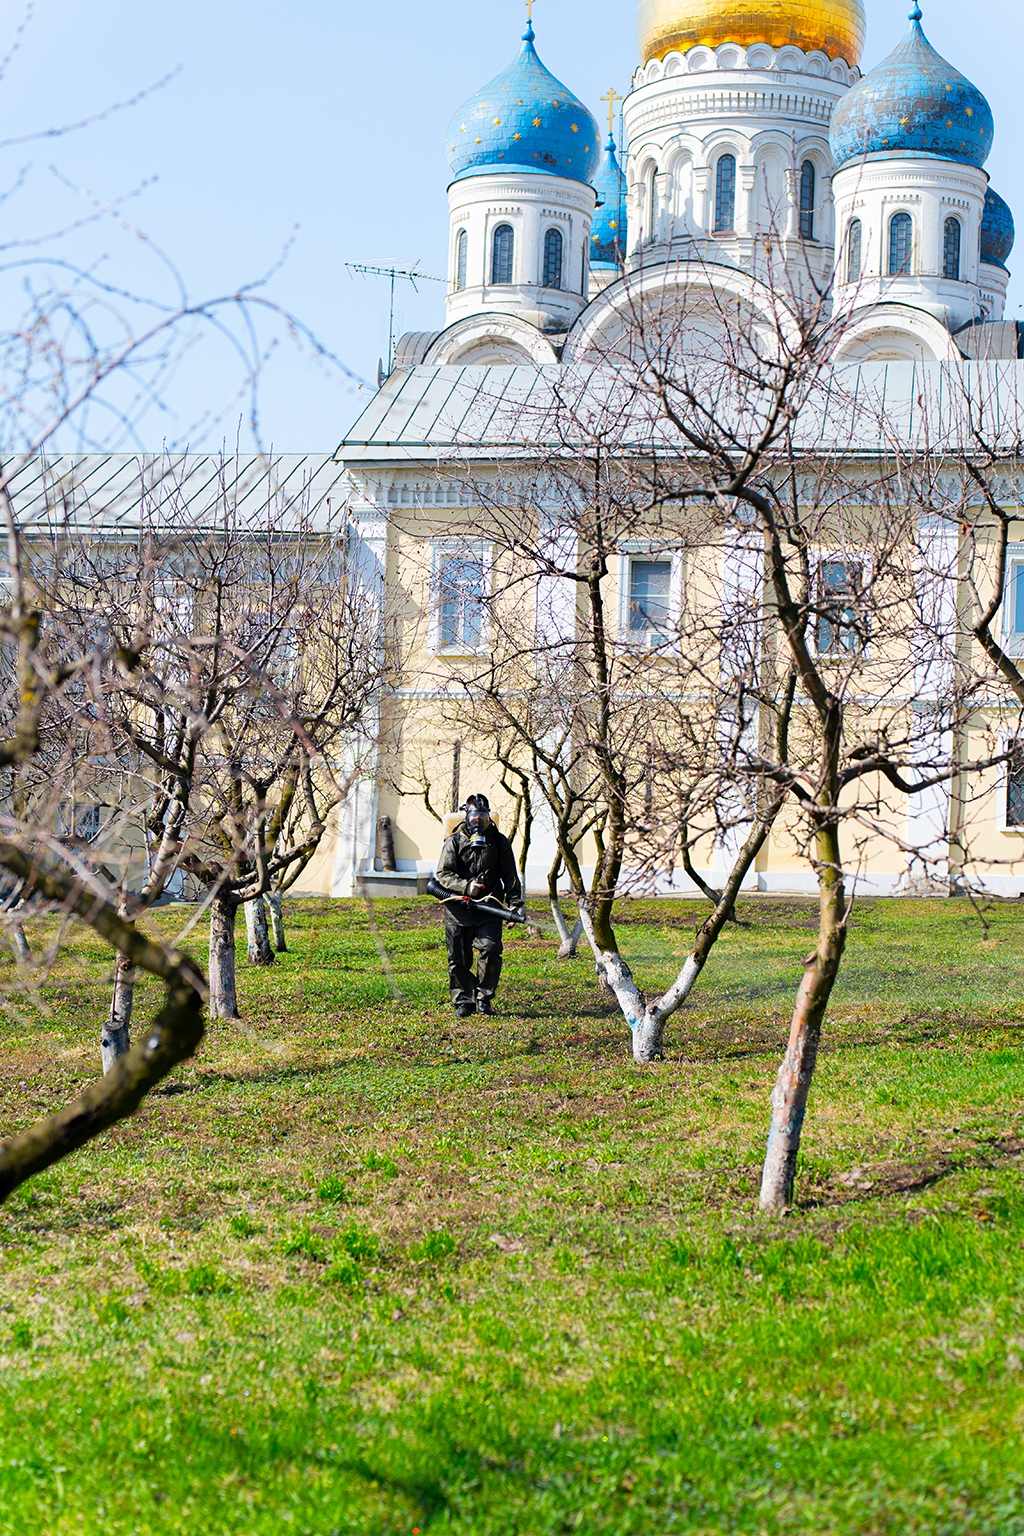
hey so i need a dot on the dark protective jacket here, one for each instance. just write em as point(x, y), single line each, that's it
point(494, 863)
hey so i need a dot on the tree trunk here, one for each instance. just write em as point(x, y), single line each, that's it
point(116, 1041)
point(19, 944)
point(646, 1020)
point(277, 924)
point(223, 996)
point(569, 938)
point(568, 942)
point(617, 978)
point(256, 932)
point(386, 840)
point(789, 1096)
point(609, 861)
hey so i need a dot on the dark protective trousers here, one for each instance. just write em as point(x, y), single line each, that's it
point(466, 929)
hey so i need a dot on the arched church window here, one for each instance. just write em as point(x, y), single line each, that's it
point(807, 187)
point(725, 194)
point(553, 259)
point(901, 244)
point(951, 250)
point(461, 247)
point(854, 250)
point(501, 256)
point(650, 194)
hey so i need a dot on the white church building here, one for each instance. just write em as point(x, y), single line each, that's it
point(755, 159)
point(749, 137)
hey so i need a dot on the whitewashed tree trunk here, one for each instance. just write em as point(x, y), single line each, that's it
point(277, 924)
point(223, 993)
point(116, 1040)
point(19, 944)
point(646, 1019)
point(568, 940)
point(257, 933)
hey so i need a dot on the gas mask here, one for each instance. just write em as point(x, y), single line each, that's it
point(477, 820)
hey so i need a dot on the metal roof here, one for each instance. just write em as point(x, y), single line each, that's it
point(114, 491)
point(428, 413)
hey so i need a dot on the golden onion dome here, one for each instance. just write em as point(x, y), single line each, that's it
point(836, 27)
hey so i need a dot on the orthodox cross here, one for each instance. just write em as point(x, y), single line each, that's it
point(529, 10)
point(611, 97)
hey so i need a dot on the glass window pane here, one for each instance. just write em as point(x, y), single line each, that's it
point(649, 592)
point(807, 200)
point(501, 262)
point(461, 602)
point(1017, 597)
point(1015, 794)
point(901, 231)
point(460, 259)
point(553, 259)
point(725, 194)
point(853, 259)
point(951, 250)
point(837, 586)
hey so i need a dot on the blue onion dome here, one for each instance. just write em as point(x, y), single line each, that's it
point(608, 240)
point(913, 103)
point(525, 120)
point(997, 231)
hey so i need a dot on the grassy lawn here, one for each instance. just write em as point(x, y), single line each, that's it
point(362, 1268)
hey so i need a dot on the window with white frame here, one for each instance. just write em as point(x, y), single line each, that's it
point(839, 629)
point(81, 821)
point(651, 582)
point(1013, 601)
point(650, 589)
point(1014, 783)
point(460, 588)
point(88, 820)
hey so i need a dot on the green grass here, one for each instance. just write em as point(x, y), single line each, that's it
point(364, 1268)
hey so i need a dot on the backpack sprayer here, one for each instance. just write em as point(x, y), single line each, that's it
point(487, 904)
point(476, 825)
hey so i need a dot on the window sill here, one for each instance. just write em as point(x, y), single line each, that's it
point(461, 653)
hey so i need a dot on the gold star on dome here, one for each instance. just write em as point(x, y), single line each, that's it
point(904, 121)
point(497, 122)
point(479, 141)
point(970, 111)
point(463, 128)
point(517, 135)
point(536, 122)
point(575, 128)
point(613, 224)
point(949, 123)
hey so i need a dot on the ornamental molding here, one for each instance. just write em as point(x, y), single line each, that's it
point(681, 108)
point(581, 198)
point(762, 57)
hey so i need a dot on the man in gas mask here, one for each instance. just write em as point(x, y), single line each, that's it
point(476, 861)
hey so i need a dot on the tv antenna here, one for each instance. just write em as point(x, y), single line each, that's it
point(410, 275)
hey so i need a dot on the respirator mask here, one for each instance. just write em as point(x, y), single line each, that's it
point(478, 819)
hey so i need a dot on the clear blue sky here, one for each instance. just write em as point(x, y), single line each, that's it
point(331, 119)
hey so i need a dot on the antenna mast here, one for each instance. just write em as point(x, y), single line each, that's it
point(410, 274)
